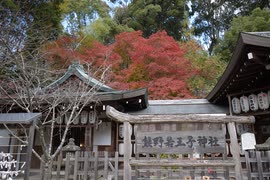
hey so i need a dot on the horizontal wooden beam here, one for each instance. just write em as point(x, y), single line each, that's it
point(184, 163)
point(190, 118)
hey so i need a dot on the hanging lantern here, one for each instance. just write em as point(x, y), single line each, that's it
point(263, 101)
point(121, 131)
point(236, 105)
point(59, 119)
point(67, 116)
point(253, 102)
point(84, 117)
point(92, 117)
point(76, 120)
point(244, 103)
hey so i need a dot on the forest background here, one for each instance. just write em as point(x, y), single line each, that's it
point(175, 48)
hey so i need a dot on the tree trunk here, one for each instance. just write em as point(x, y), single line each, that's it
point(47, 171)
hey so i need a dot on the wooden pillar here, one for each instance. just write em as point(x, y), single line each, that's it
point(88, 138)
point(235, 150)
point(127, 148)
point(29, 149)
point(234, 144)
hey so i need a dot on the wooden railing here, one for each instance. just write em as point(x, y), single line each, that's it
point(257, 164)
point(86, 165)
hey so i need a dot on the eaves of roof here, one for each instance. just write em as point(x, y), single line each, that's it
point(229, 81)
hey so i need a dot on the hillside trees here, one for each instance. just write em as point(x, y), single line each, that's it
point(153, 16)
point(78, 14)
point(170, 70)
point(208, 68)
point(213, 17)
point(24, 27)
point(156, 63)
point(29, 23)
point(259, 20)
point(104, 30)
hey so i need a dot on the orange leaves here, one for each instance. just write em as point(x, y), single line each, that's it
point(157, 63)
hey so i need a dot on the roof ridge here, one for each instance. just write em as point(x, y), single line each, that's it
point(77, 69)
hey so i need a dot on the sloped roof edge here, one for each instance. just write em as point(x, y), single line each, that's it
point(183, 107)
point(77, 70)
point(244, 38)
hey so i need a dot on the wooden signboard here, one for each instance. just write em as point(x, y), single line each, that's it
point(174, 141)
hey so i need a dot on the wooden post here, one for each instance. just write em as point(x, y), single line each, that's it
point(29, 149)
point(96, 165)
point(116, 166)
point(76, 165)
point(85, 168)
point(235, 150)
point(67, 166)
point(106, 164)
point(259, 164)
point(234, 144)
point(127, 155)
point(248, 165)
point(58, 168)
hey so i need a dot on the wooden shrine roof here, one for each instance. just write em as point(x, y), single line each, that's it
point(130, 100)
point(184, 106)
point(248, 70)
point(77, 70)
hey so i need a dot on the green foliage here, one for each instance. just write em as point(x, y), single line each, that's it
point(78, 14)
point(24, 27)
point(213, 18)
point(170, 70)
point(46, 23)
point(208, 69)
point(104, 30)
point(153, 16)
point(259, 20)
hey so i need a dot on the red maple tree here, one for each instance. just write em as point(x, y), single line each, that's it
point(157, 63)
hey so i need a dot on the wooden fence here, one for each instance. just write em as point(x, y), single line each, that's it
point(84, 165)
point(257, 165)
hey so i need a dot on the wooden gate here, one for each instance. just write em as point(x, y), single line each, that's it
point(184, 135)
point(181, 150)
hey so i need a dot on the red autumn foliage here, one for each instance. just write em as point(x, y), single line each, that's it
point(157, 63)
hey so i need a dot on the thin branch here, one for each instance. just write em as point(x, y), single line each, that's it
point(14, 135)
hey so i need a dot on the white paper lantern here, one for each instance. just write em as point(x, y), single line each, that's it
point(84, 117)
point(253, 102)
point(92, 117)
point(236, 105)
point(67, 116)
point(121, 131)
point(59, 119)
point(76, 120)
point(244, 103)
point(122, 149)
point(263, 101)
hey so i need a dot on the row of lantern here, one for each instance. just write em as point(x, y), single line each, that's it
point(252, 102)
point(83, 118)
